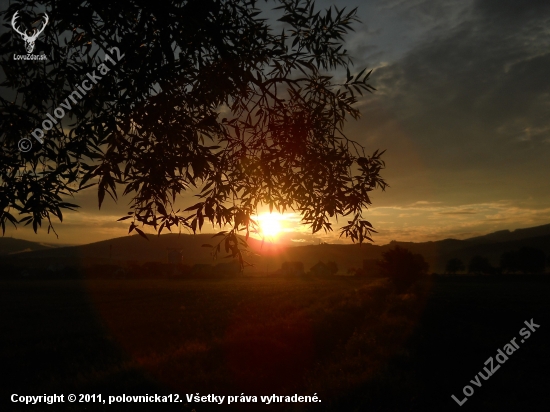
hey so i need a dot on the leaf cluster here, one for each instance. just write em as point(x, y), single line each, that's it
point(207, 98)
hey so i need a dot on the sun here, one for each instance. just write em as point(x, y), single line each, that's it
point(270, 224)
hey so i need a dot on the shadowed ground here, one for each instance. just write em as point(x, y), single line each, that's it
point(353, 342)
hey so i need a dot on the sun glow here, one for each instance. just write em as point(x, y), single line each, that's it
point(270, 224)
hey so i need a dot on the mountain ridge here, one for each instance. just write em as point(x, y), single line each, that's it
point(267, 257)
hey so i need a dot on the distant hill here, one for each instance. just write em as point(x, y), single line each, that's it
point(134, 249)
point(9, 246)
point(266, 257)
point(494, 250)
point(118, 250)
point(508, 236)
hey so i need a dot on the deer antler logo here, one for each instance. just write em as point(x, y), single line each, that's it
point(33, 34)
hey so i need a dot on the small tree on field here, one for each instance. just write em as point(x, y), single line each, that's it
point(526, 260)
point(531, 260)
point(333, 267)
point(480, 265)
point(509, 262)
point(403, 267)
point(455, 265)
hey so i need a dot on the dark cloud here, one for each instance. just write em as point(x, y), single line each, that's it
point(463, 212)
point(511, 11)
point(462, 109)
point(472, 100)
point(480, 69)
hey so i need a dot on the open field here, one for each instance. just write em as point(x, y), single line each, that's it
point(351, 341)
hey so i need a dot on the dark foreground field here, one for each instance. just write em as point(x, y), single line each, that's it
point(352, 342)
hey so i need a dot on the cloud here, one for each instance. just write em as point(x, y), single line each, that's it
point(459, 212)
point(463, 109)
point(446, 221)
point(469, 83)
point(461, 106)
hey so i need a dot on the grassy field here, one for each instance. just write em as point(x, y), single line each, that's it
point(355, 344)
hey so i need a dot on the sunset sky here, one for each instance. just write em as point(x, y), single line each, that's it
point(462, 107)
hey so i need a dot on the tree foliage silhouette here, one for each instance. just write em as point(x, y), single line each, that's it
point(455, 265)
point(509, 262)
point(531, 260)
point(480, 265)
point(207, 97)
point(525, 260)
point(332, 267)
point(402, 267)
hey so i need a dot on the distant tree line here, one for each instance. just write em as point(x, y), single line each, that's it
point(320, 269)
point(525, 260)
point(402, 267)
point(175, 271)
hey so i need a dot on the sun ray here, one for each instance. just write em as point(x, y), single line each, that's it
point(270, 224)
